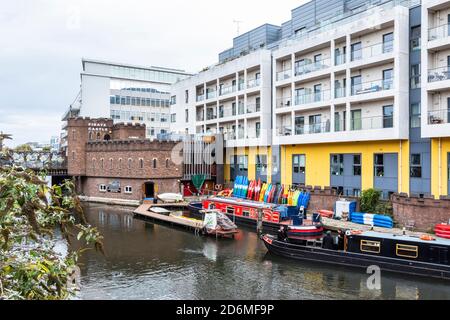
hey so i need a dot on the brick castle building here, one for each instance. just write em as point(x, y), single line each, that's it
point(116, 161)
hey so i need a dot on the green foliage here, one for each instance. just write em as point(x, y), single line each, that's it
point(30, 213)
point(370, 200)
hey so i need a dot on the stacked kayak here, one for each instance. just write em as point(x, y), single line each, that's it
point(442, 230)
point(376, 220)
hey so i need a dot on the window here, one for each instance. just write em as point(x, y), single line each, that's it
point(130, 162)
point(186, 96)
point(299, 125)
point(416, 166)
point(379, 165)
point(357, 165)
point(415, 38)
point(101, 163)
point(173, 118)
point(337, 164)
point(186, 115)
point(128, 189)
point(110, 163)
point(173, 100)
point(261, 164)
point(356, 51)
point(370, 246)
point(141, 163)
point(299, 163)
point(388, 76)
point(102, 188)
point(388, 116)
point(415, 76)
point(388, 42)
point(120, 163)
point(315, 123)
point(258, 104)
point(93, 163)
point(258, 129)
point(167, 163)
point(415, 115)
point(356, 85)
point(318, 92)
point(73, 155)
point(407, 251)
point(356, 192)
point(154, 162)
point(356, 121)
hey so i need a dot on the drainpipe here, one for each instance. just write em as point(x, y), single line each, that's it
point(401, 166)
point(440, 168)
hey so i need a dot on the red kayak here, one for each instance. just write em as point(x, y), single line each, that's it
point(442, 230)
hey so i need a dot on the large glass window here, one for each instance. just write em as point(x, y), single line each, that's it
point(299, 125)
point(388, 42)
point(356, 51)
point(356, 85)
point(315, 123)
point(388, 116)
point(356, 120)
point(415, 115)
point(388, 76)
point(261, 164)
point(415, 76)
point(415, 38)
point(416, 166)
point(357, 165)
point(337, 164)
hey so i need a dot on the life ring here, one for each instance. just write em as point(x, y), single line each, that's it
point(427, 238)
point(218, 187)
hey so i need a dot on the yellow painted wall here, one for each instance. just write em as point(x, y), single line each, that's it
point(318, 161)
point(439, 166)
point(251, 153)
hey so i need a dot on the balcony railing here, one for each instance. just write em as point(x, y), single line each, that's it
point(211, 95)
point(284, 102)
point(200, 97)
point(340, 92)
point(320, 96)
point(340, 59)
point(439, 32)
point(369, 123)
point(284, 75)
point(211, 116)
point(229, 135)
point(372, 51)
point(200, 117)
point(253, 83)
point(439, 74)
point(253, 107)
point(312, 67)
point(241, 108)
point(312, 128)
point(439, 116)
point(373, 86)
point(284, 130)
point(241, 86)
point(227, 90)
point(227, 112)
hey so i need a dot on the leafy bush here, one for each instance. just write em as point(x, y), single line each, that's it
point(370, 200)
point(30, 213)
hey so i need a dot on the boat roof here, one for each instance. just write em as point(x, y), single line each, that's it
point(244, 202)
point(391, 236)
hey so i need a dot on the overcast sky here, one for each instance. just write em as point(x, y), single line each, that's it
point(43, 41)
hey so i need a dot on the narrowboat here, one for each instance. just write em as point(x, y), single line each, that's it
point(245, 212)
point(419, 256)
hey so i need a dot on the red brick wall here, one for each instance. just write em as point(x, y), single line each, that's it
point(126, 131)
point(423, 213)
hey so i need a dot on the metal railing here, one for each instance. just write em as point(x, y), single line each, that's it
point(284, 131)
point(373, 50)
point(340, 59)
point(211, 95)
point(439, 74)
point(284, 74)
point(313, 128)
point(227, 112)
point(323, 95)
point(439, 116)
point(439, 32)
point(227, 90)
point(211, 116)
point(340, 92)
point(200, 97)
point(312, 67)
point(200, 116)
point(373, 86)
point(284, 102)
point(253, 107)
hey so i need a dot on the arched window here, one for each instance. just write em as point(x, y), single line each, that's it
point(130, 163)
point(74, 136)
point(141, 163)
point(120, 163)
point(99, 136)
point(167, 163)
point(110, 163)
point(90, 135)
point(93, 163)
point(101, 163)
point(107, 137)
point(154, 163)
point(73, 155)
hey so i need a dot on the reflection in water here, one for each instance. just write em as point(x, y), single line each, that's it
point(150, 261)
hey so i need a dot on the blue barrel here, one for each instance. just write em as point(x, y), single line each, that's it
point(297, 220)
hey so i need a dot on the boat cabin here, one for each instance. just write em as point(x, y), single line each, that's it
point(390, 245)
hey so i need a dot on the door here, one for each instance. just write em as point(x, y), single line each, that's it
point(356, 85)
point(298, 169)
point(386, 173)
point(356, 120)
point(388, 116)
point(300, 96)
point(299, 125)
point(261, 167)
point(149, 188)
point(314, 123)
point(388, 42)
point(299, 67)
point(318, 92)
point(356, 52)
point(388, 76)
point(317, 62)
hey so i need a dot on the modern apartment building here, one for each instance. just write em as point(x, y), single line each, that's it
point(350, 94)
point(125, 93)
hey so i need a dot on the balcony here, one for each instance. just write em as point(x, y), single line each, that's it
point(227, 112)
point(284, 75)
point(227, 90)
point(253, 83)
point(373, 86)
point(439, 116)
point(211, 95)
point(372, 51)
point(229, 135)
point(440, 32)
point(211, 115)
point(320, 96)
point(340, 93)
point(312, 67)
point(200, 117)
point(313, 128)
point(200, 97)
point(370, 123)
point(285, 131)
point(340, 59)
point(439, 74)
point(284, 102)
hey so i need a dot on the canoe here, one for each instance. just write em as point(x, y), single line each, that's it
point(170, 197)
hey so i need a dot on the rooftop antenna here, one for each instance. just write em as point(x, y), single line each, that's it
point(238, 24)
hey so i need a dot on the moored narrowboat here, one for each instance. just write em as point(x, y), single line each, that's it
point(422, 256)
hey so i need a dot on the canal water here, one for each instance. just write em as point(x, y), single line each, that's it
point(150, 261)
